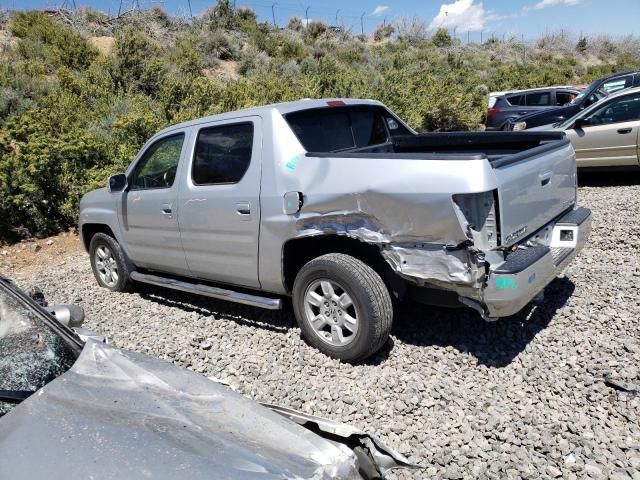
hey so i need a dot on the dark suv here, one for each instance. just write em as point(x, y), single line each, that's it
point(590, 95)
point(512, 105)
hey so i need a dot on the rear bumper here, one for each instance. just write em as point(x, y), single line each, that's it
point(525, 273)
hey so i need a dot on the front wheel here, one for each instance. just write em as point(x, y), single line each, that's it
point(109, 264)
point(342, 307)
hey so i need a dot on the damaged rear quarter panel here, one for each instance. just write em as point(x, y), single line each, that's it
point(403, 205)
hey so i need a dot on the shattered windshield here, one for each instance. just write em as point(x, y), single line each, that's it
point(31, 354)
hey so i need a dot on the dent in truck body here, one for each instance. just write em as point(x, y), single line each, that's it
point(408, 213)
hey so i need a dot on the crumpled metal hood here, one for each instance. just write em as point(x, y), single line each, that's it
point(122, 415)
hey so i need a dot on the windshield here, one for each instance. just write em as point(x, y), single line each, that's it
point(597, 96)
point(31, 354)
point(592, 93)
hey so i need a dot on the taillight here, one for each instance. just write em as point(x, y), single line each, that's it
point(492, 111)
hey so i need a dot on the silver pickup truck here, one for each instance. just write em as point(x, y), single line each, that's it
point(340, 205)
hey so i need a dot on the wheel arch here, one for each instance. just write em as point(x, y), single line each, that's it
point(297, 252)
point(89, 230)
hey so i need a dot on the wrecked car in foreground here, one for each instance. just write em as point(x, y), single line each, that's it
point(72, 406)
point(340, 205)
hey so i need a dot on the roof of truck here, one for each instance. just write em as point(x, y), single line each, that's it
point(283, 108)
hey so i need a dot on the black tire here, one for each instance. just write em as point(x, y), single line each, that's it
point(123, 283)
point(370, 298)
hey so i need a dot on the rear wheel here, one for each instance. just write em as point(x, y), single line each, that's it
point(109, 264)
point(342, 306)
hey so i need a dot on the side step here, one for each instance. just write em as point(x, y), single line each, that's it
point(209, 291)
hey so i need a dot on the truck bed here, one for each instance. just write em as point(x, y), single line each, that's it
point(501, 148)
point(534, 172)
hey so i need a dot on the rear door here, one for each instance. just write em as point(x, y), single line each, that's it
point(147, 209)
point(219, 203)
point(611, 136)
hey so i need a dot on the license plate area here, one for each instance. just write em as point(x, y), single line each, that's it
point(564, 236)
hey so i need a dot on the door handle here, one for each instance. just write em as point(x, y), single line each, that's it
point(545, 178)
point(622, 131)
point(243, 208)
point(167, 210)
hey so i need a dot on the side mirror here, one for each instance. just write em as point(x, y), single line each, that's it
point(117, 183)
point(69, 315)
point(581, 122)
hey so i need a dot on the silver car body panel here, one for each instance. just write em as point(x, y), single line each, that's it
point(402, 203)
point(117, 415)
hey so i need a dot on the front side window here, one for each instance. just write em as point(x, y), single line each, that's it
point(157, 167)
point(623, 109)
point(538, 99)
point(222, 154)
point(564, 97)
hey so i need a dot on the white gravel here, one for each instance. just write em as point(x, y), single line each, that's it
point(524, 397)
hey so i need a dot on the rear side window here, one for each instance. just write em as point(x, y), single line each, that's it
point(342, 128)
point(538, 99)
point(516, 99)
point(222, 154)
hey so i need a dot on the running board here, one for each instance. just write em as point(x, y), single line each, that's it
point(208, 291)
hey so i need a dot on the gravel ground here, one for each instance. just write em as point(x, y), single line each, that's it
point(525, 397)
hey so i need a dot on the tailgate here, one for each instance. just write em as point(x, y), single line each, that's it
point(535, 186)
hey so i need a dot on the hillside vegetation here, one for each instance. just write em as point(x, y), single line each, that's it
point(80, 92)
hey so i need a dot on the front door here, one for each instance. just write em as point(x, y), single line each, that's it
point(219, 204)
point(610, 138)
point(147, 210)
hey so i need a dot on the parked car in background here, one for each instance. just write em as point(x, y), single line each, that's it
point(607, 133)
point(593, 93)
point(72, 406)
point(504, 106)
point(340, 205)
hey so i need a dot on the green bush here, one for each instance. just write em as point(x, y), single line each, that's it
point(43, 39)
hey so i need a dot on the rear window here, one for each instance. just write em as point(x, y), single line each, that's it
point(337, 129)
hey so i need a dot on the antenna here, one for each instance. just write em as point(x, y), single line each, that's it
point(273, 12)
point(362, 22)
point(306, 14)
point(190, 11)
point(337, 12)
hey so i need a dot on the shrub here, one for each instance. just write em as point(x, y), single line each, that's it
point(442, 38)
point(383, 31)
point(316, 28)
point(43, 38)
point(219, 45)
point(295, 24)
point(581, 46)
